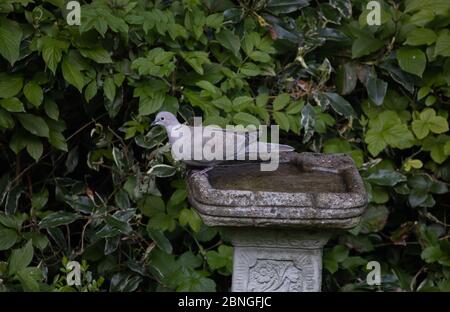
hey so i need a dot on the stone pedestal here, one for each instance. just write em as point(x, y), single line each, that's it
point(277, 260)
point(278, 222)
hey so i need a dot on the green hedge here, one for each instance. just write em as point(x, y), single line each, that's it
point(76, 145)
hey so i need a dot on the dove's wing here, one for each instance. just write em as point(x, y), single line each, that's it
point(233, 142)
point(216, 144)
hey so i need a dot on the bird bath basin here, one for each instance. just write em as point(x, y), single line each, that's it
point(278, 221)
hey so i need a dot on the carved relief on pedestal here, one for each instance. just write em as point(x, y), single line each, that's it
point(269, 270)
point(272, 275)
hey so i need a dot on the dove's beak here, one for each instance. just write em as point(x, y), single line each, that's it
point(154, 123)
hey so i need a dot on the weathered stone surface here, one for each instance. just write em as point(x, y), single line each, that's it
point(307, 190)
point(278, 222)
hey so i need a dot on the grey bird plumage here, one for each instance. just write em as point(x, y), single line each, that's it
point(243, 141)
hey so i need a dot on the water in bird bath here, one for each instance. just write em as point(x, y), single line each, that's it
point(288, 178)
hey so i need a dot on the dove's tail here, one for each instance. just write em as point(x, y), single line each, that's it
point(285, 148)
point(271, 147)
point(264, 150)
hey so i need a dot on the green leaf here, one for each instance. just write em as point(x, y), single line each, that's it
point(190, 260)
point(221, 259)
point(417, 5)
point(386, 129)
point(124, 282)
point(412, 163)
point(8, 238)
point(196, 59)
point(18, 141)
point(421, 36)
point(405, 79)
point(157, 62)
point(58, 218)
point(339, 104)
point(438, 187)
point(295, 107)
point(436, 147)
point(346, 78)
point(229, 41)
point(430, 100)
point(250, 41)
point(13, 105)
point(282, 120)
point(281, 101)
point(178, 196)
point(245, 119)
point(250, 69)
point(432, 254)
point(262, 99)
point(6, 120)
point(189, 216)
point(196, 282)
point(285, 6)
point(57, 140)
point(12, 221)
point(412, 60)
point(20, 258)
point(39, 200)
point(90, 91)
point(97, 54)
point(422, 17)
point(119, 224)
point(52, 50)
point(109, 88)
point(10, 38)
point(443, 44)
point(223, 103)
point(376, 89)
point(331, 259)
point(428, 121)
point(419, 181)
point(259, 56)
point(151, 205)
point(294, 123)
point(386, 177)
point(161, 240)
point(374, 219)
point(34, 124)
point(161, 221)
point(162, 171)
point(150, 103)
point(308, 122)
point(365, 45)
point(10, 85)
point(343, 6)
point(51, 109)
point(214, 20)
point(72, 74)
point(34, 147)
point(241, 103)
point(34, 94)
point(423, 92)
point(28, 278)
point(210, 88)
point(447, 148)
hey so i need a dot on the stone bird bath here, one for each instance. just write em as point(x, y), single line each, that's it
point(279, 221)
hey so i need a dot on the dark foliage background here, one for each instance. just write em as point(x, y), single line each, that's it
point(84, 177)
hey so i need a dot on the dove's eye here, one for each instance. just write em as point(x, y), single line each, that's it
point(162, 118)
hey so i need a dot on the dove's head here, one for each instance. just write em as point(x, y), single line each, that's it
point(165, 119)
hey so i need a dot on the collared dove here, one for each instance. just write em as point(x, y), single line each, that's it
point(230, 144)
